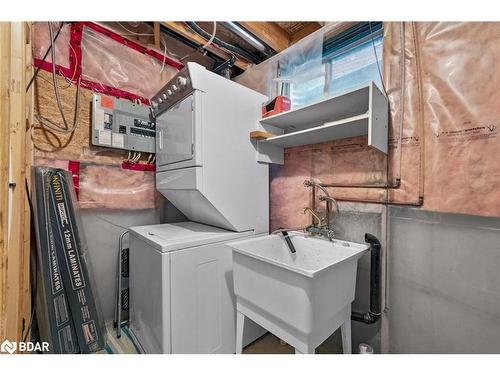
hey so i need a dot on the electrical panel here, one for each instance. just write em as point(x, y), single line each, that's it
point(119, 123)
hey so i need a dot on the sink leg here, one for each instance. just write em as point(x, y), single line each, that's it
point(345, 328)
point(309, 350)
point(240, 325)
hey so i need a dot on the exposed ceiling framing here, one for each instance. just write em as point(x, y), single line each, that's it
point(277, 35)
point(270, 33)
point(183, 30)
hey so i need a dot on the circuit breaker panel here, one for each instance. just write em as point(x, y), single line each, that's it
point(122, 124)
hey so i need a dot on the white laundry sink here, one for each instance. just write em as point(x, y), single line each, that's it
point(301, 297)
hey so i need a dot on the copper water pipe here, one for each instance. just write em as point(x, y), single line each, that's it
point(386, 202)
point(397, 183)
point(367, 186)
point(420, 110)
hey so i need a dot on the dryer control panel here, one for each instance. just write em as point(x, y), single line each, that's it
point(174, 91)
point(120, 123)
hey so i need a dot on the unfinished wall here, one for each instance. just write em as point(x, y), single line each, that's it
point(451, 113)
point(110, 198)
point(15, 161)
point(99, 60)
point(444, 283)
point(443, 146)
point(76, 146)
point(443, 132)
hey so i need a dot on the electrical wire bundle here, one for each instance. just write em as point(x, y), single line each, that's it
point(46, 122)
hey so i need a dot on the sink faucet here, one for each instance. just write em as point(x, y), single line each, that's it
point(329, 200)
point(320, 229)
point(314, 216)
point(324, 232)
point(288, 240)
point(323, 228)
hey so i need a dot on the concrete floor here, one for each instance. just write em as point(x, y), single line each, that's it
point(270, 344)
point(267, 344)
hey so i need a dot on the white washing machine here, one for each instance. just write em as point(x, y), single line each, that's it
point(181, 288)
point(183, 300)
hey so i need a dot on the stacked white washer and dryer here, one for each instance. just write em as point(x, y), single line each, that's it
point(181, 287)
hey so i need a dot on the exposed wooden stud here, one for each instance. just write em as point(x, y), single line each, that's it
point(270, 33)
point(309, 29)
point(29, 116)
point(156, 31)
point(186, 32)
point(18, 263)
point(4, 170)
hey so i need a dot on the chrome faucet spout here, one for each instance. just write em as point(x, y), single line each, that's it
point(314, 215)
point(329, 199)
point(311, 183)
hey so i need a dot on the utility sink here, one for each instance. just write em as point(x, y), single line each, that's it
point(301, 297)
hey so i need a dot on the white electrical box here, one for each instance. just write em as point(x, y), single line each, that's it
point(122, 124)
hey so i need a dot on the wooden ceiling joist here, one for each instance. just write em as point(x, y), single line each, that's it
point(305, 31)
point(270, 33)
point(277, 35)
point(183, 30)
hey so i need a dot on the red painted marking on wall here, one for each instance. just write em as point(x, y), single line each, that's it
point(74, 168)
point(76, 61)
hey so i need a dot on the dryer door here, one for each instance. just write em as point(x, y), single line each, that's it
point(175, 137)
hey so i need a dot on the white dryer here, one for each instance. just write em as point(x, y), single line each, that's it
point(181, 288)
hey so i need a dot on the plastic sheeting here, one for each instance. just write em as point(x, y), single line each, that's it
point(113, 187)
point(110, 186)
point(113, 64)
point(443, 134)
point(461, 87)
point(355, 67)
point(300, 64)
point(41, 42)
point(450, 114)
point(405, 135)
point(106, 63)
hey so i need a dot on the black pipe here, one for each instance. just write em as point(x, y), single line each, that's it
point(187, 42)
point(197, 29)
point(228, 64)
point(373, 314)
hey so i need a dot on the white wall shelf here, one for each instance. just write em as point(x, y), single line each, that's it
point(362, 111)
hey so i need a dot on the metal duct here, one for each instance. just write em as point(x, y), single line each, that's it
point(253, 41)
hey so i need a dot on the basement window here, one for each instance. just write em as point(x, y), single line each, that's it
point(348, 60)
point(355, 63)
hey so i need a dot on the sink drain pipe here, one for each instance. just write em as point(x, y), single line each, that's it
point(373, 314)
